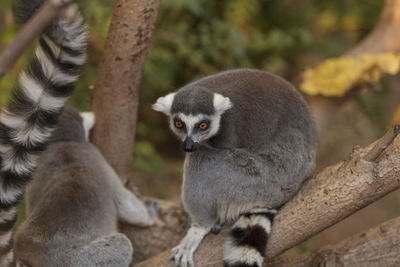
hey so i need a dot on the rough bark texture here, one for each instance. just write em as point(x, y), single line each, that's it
point(208, 254)
point(379, 246)
point(49, 11)
point(116, 92)
point(335, 193)
point(328, 197)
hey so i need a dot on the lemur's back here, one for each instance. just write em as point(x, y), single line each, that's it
point(74, 202)
point(264, 105)
point(78, 173)
point(70, 203)
point(67, 169)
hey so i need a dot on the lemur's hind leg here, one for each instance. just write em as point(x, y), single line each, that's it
point(112, 251)
point(183, 253)
point(132, 210)
point(248, 238)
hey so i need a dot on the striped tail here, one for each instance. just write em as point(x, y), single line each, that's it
point(246, 245)
point(27, 122)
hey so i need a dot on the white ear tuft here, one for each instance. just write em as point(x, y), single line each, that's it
point(88, 120)
point(221, 103)
point(163, 104)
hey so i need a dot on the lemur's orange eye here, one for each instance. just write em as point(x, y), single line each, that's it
point(178, 124)
point(203, 125)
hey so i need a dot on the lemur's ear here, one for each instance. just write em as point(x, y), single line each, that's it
point(163, 104)
point(221, 103)
point(88, 120)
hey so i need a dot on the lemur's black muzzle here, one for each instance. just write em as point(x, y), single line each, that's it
point(189, 145)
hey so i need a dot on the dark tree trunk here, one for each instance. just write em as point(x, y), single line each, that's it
point(116, 92)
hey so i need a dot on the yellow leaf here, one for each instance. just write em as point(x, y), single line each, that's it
point(335, 77)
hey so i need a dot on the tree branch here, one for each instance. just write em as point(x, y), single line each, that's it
point(116, 92)
point(379, 246)
point(167, 231)
point(325, 199)
point(49, 11)
point(384, 37)
point(336, 193)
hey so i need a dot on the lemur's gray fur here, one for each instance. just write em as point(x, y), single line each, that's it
point(75, 198)
point(73, 203)
point(26, 123)
point(256, 148)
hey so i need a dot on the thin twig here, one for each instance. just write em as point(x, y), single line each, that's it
point(50, 10)
point(382, 143)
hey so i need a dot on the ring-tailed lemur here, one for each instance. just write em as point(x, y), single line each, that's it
point(253, 141)
point(73, 204)
point(27, 122)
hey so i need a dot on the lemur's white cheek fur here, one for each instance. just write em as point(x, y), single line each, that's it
point(247, 185)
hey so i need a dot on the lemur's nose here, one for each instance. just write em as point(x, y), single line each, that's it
point(189, 145)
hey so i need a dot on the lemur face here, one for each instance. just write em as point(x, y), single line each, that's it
point(193, 128)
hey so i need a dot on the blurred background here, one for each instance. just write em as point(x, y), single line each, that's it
point(194, 38)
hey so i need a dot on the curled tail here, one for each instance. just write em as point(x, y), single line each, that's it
point(248, 238)
point(27, 122)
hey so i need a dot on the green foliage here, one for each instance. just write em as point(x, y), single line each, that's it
point(21, 214)
point(146, 157)
point(374, 105)
point(302, 248)
point(194, 38)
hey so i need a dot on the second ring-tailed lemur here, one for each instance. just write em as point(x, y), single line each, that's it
point(253, 141)
point(75, 197)
point(27, 122)
point(74, 202)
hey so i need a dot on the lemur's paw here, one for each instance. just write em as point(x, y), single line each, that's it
point(153, 208)
point(216, 229)
point(182, 256)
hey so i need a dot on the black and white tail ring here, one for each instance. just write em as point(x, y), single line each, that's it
point(27, 122)
point(246, 245)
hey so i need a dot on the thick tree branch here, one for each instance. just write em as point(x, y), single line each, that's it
point(116, 92)
point(167, 231)
point(384, 38)
point(336, 193)
point(325, 199)
point(385, 35)
point(379, 246)
point(49, 11)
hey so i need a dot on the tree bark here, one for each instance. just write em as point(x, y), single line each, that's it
point(49, 11)
point(116, 93)
point(379, 246)
point(337, 192)
point(330, 196)
point(167, 231)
